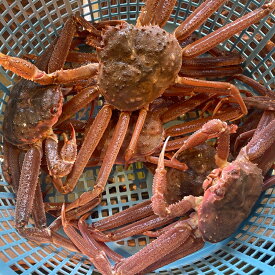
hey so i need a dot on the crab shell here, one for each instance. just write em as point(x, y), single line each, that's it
point(229, 200)
point(137, 64)
point(31, 112)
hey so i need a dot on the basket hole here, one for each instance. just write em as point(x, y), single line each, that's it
point(124, 199)
point(134, 197)
point(115, 210)
point(114, 200)
point(122, 188)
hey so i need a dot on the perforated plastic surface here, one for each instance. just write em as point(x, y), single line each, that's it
point(28, 27)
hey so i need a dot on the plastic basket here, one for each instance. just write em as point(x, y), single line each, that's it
point(28, 27)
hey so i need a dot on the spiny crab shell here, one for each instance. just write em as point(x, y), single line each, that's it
point(137, 64)
point(229, 200)
point(31, 112)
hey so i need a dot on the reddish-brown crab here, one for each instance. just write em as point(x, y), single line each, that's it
point(30, 114)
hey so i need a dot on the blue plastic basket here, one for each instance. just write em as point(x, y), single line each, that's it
point(28, 27)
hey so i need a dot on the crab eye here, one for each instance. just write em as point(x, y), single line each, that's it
point(54, 110)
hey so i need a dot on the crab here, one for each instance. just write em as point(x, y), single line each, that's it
point(30, 115)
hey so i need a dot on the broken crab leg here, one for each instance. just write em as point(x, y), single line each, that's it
point(168, 242)
point(211, 40)
point(87, 247)
point(108, 162)
point(90, 142)
point(225, 89)
point(196, 19)
point(134, 139)
point(129, 215)
point(79, 101)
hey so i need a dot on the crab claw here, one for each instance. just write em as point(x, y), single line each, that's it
point(60, 163)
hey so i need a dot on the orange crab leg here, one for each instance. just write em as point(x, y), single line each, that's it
point(90, 142)
point(212, 62)
point(165, 244)
point(89, 248)
point(133, 143)
point(108, 162)
point(129, 215)
point(191, 126)
point(79, 101)
point(211, 40)
point(196, 19)
point(255, 85)
point(226, 89)
point(155, 12)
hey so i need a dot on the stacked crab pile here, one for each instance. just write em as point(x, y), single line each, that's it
point(147, 77)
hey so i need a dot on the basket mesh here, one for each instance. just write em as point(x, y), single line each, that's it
point(28, 27)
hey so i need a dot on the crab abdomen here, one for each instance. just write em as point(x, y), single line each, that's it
point(230, 200)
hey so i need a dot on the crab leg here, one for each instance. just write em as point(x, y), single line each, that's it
point(133, 143)
point(129, 230)
point(181, 108)
point(129, 215)
point(38, 210)
point(79, 101)
point(196, 19)
point(10, 167)
point(83, 228)
point(108, 162)
point(90, 142)
point(191, 245)
point(155, 12)
point(205, 72)
point(29, 71)
point(255, 85)
point(211, 40)
point(88, 247)
point(212, 128)
point(28, 182)
point(191, 126)
point(225, 88)
point(212, 62)
point(269, 182)
point(165, 244)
